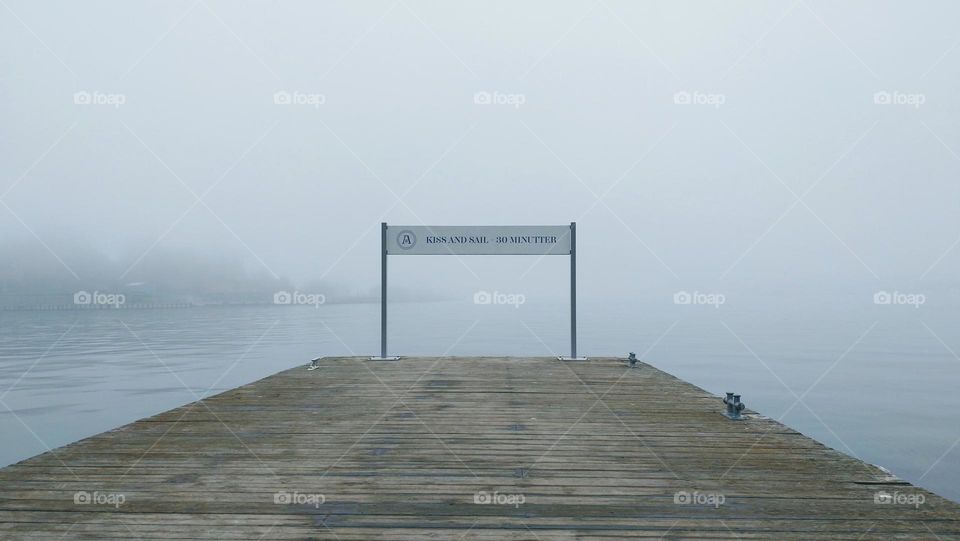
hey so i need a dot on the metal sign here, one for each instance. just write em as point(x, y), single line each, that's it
point(478, 240)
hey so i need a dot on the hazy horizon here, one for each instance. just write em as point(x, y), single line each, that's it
point(733, 148)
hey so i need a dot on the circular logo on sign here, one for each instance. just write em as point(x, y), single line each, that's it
point(406, 239)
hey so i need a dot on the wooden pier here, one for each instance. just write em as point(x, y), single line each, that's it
point(461, 449)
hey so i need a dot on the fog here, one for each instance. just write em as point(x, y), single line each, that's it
point(754, 148)
point(766, 201)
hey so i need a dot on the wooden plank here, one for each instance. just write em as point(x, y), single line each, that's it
point(414, 449)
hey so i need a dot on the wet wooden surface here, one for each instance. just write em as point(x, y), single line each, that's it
point(416, 449)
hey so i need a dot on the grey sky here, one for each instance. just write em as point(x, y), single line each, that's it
point(698, 195)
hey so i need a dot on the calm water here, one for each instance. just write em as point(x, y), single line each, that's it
point(890, 398)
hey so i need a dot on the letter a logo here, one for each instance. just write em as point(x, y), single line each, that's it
point(406, 239)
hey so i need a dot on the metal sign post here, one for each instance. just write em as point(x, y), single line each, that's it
point(573, 292)
point(383, 296)
point(478, 240)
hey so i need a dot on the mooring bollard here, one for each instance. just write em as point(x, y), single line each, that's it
point(734, 406)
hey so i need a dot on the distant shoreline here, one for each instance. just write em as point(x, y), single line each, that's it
point(185, 305)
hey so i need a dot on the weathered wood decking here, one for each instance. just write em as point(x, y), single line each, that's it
point(400, 450)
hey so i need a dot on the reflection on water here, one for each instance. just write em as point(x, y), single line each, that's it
point(876, 383)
